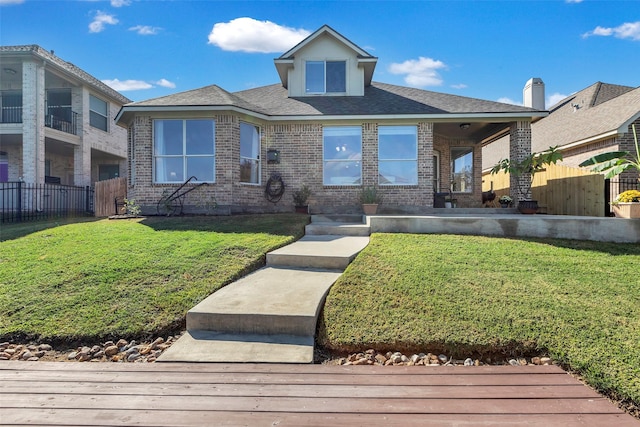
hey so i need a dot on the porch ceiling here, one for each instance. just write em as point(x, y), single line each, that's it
point(476, 131)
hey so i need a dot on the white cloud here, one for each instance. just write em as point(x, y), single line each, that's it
point(125, 85)
point(459, 86)
point(145, 30)
point(421, 72)
point(250, 35)
point(506, 100)
point(554, 98)
point(100, 20)
point(8, 2)
point(573, 1)
point(120, 3)
point(166, 83)
point(628, 30)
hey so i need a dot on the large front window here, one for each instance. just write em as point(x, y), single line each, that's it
point(397, 155)
point(462, 169)
point(249, 153)
point(184, 148)
point(98, 113)
point(342, 151)
point(326, 77)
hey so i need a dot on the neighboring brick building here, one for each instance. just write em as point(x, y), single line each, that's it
point(595, 120)
point(326, 125)
point(56, 121)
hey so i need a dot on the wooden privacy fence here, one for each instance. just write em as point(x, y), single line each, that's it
point(106, 193)
point(560, 190)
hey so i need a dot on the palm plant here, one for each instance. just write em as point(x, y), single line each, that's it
point(616, 162)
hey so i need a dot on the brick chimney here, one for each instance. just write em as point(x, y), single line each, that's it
point(533, 93)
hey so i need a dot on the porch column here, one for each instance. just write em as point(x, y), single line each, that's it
point(33, 122)
point(82, 164)
point(519, 148)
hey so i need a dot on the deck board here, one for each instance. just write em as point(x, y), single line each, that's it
point(98, 394)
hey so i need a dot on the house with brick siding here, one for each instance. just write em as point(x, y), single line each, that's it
point(327, 125)
point(56, 121)
point(594, 120)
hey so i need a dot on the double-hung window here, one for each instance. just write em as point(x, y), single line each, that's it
point(326, 77)
point(342, 152)
point(462, 169)
point(98, 113)
point(184, 148)
point(397, 155)
point(249, 153)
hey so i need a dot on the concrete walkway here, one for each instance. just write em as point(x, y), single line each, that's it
point(271, 314)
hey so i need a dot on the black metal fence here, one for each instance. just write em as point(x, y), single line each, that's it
point(613, 187)
point(20, 201)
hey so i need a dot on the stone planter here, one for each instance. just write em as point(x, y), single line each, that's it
point(626, 210)
point(370, 208)
point(302, 209)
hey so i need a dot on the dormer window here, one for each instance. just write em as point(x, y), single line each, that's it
point(326, 77)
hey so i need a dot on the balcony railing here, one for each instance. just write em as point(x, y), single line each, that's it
point(11, 115)
point(67, 124)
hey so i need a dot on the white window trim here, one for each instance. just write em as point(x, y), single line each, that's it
point(184, 150)
point(414, 160)
point(324, 83)
point(436, 171)
point(259, 159)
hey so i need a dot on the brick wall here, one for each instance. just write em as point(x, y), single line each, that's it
point(301, 163)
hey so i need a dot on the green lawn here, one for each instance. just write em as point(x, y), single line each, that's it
point(131, 278)
point(577, 301)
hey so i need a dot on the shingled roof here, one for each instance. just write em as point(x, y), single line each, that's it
point(380, 99)
point(598, 111)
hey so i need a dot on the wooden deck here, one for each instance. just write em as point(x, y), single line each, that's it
point(179, 394)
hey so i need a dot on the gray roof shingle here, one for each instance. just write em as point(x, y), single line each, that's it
point(379, 99)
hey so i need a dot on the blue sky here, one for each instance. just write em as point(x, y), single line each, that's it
point(481, 49)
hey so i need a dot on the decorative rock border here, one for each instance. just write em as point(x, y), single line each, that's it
point(110, 351)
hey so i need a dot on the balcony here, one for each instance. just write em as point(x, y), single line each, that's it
point(66, 123)
point(11, 115)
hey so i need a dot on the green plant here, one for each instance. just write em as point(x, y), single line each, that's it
point(131, 207)
point(528, 166)
point(628, 197)
point(370, 196)
point(616, 162)
point(301, 196)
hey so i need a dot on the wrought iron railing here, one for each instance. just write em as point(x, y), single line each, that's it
point(615, 186)
point(68, 125)
point(20, 201)
point(11, 115)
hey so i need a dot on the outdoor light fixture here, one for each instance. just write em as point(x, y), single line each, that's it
point(10, 71)
point(464, 126)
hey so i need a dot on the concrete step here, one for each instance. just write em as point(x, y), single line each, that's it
point(326, 252)
point(269, 301)
point(344, 218)
point(337, 228)
point(207, 346)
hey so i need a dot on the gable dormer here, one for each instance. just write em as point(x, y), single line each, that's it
point(326, 64)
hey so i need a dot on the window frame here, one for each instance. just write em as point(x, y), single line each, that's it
point(467, 150)
point(358, 158)
point(413, 160)
point(257, 159)
point(184, 156)
point(105, 115)
point(324, 77)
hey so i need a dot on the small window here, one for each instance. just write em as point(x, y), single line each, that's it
point(397, 155)
point(342, 151)
point(326, 77)
point(98, 113)
point(182, 149)
point(4, 167)
point(462, 169)
point(249, 153)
